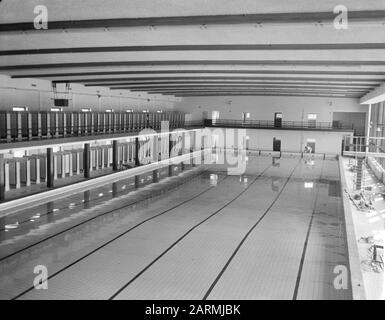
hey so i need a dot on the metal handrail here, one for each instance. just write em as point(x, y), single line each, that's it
point(261, 124)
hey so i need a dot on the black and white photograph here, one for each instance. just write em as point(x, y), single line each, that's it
point(192, 155)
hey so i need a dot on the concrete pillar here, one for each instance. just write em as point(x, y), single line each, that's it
point(183, 142)
point(50, 168)
point(28, 173)
point(19, 127)
point(2, 178)
point(109, 157)
point(86, 160)
point(103, 150)
point(155, 149)
point(137, 147)
point(91, 159)
point(77, 162)
point(37, 169)
point(70, 164)
point(6, 177)
point(9, 137)
point(115, 155)
point(97, 150)
point(55, 166)
point(17, 173)
point(169, 145)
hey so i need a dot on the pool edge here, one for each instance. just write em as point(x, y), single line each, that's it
point(356, 278)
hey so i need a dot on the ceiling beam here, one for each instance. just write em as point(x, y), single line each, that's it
point(185, 72)
point(243, 47)
point(197, 62)
point(281, 17)
point(183, 78)
point(229, 81)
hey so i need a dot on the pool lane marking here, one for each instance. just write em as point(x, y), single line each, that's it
point(298, 280)
point(246, 236)
point(88, 220)
point(185, 234)
point(118, 236)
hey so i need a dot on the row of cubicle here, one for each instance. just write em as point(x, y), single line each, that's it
point(24, 125)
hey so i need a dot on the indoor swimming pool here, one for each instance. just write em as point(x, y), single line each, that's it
point(275, 231)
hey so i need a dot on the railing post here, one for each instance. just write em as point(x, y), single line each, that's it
point(115, 155)
point(50, 168)
point(86, 160)
point(2, 178)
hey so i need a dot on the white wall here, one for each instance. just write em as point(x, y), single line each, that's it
point(291, 140)
point(38, 95)
point(264, 107)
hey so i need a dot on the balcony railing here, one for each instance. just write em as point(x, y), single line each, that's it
point(284, 125)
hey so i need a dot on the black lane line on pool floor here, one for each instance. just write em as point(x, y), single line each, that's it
point(298, 280)
point(247, 235)
point(93, 218)
point(187, 233)
point(117, 237)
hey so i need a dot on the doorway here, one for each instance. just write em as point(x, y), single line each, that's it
point(310, 143)
point(276, 144)
point(214, 116)
point(278, 120)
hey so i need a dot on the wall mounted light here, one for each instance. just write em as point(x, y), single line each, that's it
point(19, 108)
point(309, 185)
